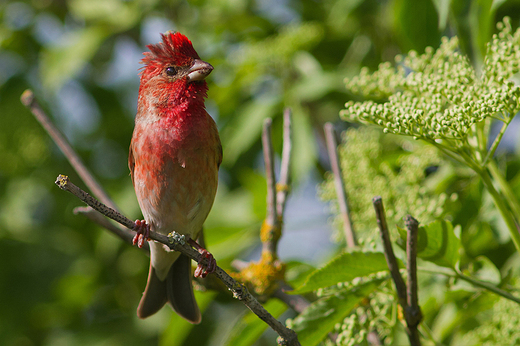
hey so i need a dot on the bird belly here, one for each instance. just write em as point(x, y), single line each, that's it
point(176, 197)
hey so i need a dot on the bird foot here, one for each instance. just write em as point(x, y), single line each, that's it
point(143, 233)
point(202, 271)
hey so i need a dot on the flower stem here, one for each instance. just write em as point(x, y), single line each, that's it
point(446, 150)
point(462, 156)
point(502, 207)
point(505, 188)
point(482, 284)
point(495, 144)
point(488, 286)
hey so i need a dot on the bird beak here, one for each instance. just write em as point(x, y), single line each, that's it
point(199, 70)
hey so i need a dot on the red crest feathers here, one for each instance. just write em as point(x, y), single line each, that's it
point(175, 49)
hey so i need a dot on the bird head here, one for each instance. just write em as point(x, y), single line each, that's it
point(173, 66)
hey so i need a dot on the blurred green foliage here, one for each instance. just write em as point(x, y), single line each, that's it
point(64, 280)
point(396, 169)
point(442, 107)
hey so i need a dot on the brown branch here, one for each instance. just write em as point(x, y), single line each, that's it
point(88, 178)
point(296, 302)
point(413, 313)
point(102, 221)
point(271, 228)
point(389, 252)
point(412, 227)
point(178, 242)
point(407, 294)
point(64, 183)
point(332, 148)
point(283, 187)
point(269, 170)
point(61, 141)
point(269, 265)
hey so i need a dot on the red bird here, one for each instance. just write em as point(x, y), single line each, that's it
point(174, 158)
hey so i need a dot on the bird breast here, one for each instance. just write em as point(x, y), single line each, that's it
point(175, 174)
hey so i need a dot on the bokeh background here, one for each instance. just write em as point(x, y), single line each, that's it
point(66, 281)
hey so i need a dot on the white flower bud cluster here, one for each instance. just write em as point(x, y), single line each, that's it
point(438, 95)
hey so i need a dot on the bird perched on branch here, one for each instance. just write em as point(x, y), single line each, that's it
point(174, 158)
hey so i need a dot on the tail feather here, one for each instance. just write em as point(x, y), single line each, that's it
point(176, 289)
point(154, 296)
point(180, 290)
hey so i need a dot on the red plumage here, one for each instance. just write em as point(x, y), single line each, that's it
point(174, 158)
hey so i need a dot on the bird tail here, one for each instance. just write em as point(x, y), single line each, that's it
point(176, 289)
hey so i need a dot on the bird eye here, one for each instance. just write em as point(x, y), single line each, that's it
point(171, 71)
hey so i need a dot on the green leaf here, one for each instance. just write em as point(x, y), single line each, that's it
point(249, 329)
point(315, 83)
point(344, 268)
point(416, 22)
point(482, 12)
point(437, 243)
point(443, 11)
point(486, 270)
point(496, 4)
point(313, 324)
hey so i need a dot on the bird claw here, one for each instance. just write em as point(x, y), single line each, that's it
point(143, 233)
point(201, 270)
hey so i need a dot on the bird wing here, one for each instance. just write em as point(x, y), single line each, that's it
point(220, 154)
point(131, 162)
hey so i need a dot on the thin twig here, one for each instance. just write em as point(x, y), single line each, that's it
point(280, 191)
point(413, 313)
point(102, 221)
point(407, 295)
point(457, 274)
point(61, 141)
point(64, 183)
point(296, 302)
point(178, 242)
point(276, 201)
point(412, 227)
point(283, 184)
point(332, 148)
point(269, 171)
point(495, 144)
point(389, 252)
point(271, 220)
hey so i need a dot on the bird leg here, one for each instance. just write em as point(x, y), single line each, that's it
point(143, 232)
point(202, 271)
